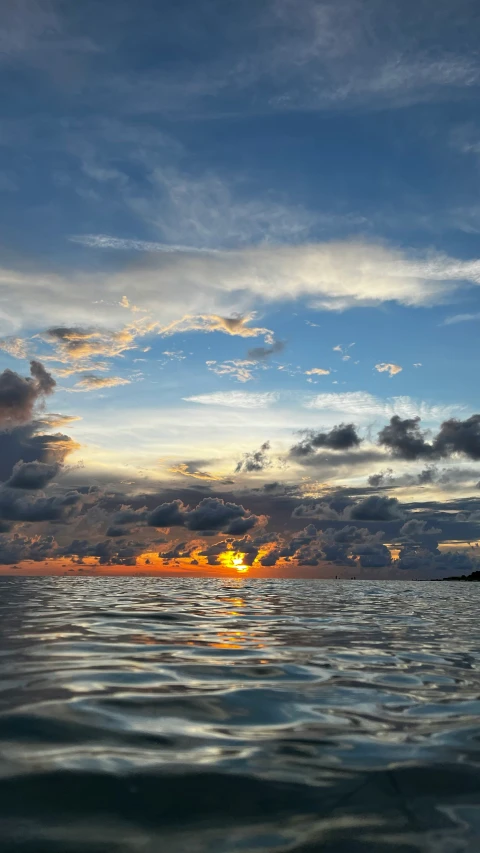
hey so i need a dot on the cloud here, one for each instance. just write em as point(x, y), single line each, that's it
point(256, 461)
point(190, 469)
point(16, 347)
point(460, 318)
point(406, 440)
point(376, 508)
point(235, 399)
point(364, 406)
point(457, 436)
point(235, 326)
point(317, 371)
point(331, 275)
point(392, 369)
point(237, 368)
point(103, 241)
point(371, 508)
point(80, 348)
point(341, 437)
point(262, 353)
point(19, 395)
point(18, 548)
point(90, 382)
point(59, 508)
point(32, 475)
point(209, 516)
point(415, 527)
point(30, 443)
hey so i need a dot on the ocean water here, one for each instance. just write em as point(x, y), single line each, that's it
point(212, 716)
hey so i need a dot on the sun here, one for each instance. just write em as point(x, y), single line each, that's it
point(239, 564)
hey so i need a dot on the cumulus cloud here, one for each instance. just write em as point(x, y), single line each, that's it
point(31, 443)
point(58, 508)
point(209, 516)
point(376, 508)
point(258, 460)
point(392, 369)
point(406, 440)
point(19, 395)
point(32, 475)
point(341, 437)
point(317, 371)
point(371, 508)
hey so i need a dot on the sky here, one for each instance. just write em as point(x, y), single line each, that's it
point(239, 288)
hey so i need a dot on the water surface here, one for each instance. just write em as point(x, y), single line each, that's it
point(205, 716)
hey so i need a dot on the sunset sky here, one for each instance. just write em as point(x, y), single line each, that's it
point(239, 287)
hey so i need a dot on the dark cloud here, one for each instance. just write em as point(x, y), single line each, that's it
point(105, 552)
point(371, 508)
point(457, 436)
point(415, 528)
point(14, 549)
point(30, 443)
point(19, 395)
point(375, 556)
point(376, 508)
point(419, 559)
point(382, 479)
point(256, 461)
point(262, 353)
point(214, 514)
point(406, 440)
point(341, 437)
point(59, 508)
point(209, 516)
point(167, 515)
point(31, 475)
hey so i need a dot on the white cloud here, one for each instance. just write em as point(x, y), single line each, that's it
point(239, 369)
point(460, 318)
point(235, 399)
point(363, 406)
point(317, 371)
point(326, 275)
point(16, 347)
point(103, 241)
point(392, 369)
point(98, 383)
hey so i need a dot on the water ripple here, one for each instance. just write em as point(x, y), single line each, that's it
point(211, 717)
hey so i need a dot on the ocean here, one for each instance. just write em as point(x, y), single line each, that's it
point(209, 716)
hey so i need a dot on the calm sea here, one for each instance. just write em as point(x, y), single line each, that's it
point(179, 715)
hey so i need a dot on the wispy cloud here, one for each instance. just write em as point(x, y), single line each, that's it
point(460, 318)
point(362, 405)
point(239, 369)
point(90, 382)
point(235, 399)
point(235, 326)
point(102, 241)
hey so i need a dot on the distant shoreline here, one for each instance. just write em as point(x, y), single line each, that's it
point(475, 576)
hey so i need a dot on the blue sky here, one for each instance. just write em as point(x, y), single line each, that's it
point(184, 184)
